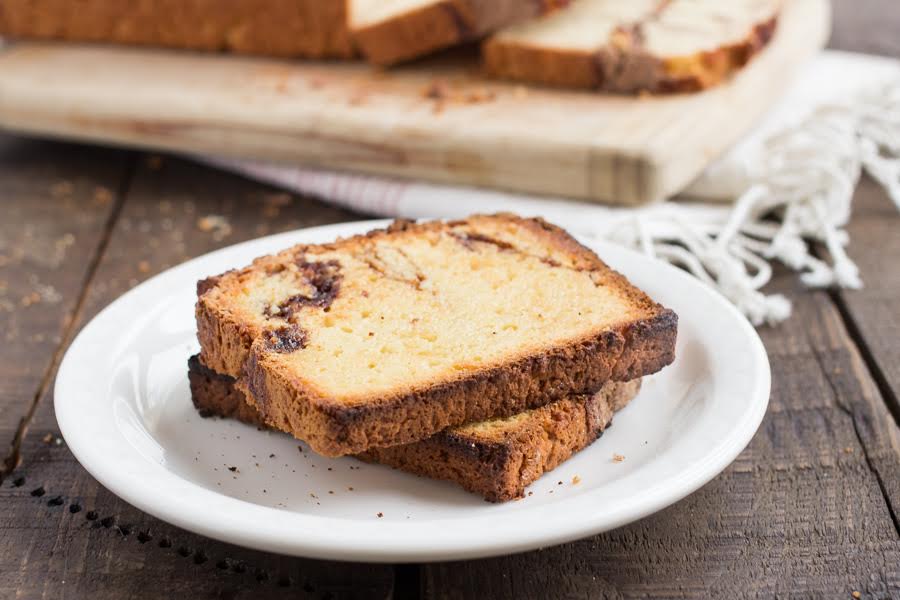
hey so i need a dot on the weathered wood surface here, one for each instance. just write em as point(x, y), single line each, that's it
point(872, 314)
point(57, 202)
point(810, 509)
point(63, 534)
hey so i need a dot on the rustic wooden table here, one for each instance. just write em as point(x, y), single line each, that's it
point(810, 509)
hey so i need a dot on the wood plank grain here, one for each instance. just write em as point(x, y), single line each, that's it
point(800, 513)
point(803, 512)
point(66, 536)
point(347, 116)
point(55, 202)
point(872, 313)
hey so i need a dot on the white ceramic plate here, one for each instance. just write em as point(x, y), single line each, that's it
point(124, 407)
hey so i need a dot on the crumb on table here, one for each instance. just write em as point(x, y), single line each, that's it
point(102, 195)
point(440, 93)
point(62, 189)
point(215, 224)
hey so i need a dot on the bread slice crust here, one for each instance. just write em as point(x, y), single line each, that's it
point(293, 28)
point(334, 429)
point(499, 468)
point(439, 24)
point(623, 64)
point(333, 426)
point(497, 459)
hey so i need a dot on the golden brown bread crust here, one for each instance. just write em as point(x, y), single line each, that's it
point(562, 68)
point(215, 395)
point(441, 24)
point(497, 464)
point(295, 28)
point(500, 469)
point(333, 428)
point(624, 67)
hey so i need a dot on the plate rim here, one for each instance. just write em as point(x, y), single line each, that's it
point(387, 550)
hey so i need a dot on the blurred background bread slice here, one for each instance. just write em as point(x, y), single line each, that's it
point(391, 31)
point(290, 28)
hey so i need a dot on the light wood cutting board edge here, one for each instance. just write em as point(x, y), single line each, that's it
point(571, 144)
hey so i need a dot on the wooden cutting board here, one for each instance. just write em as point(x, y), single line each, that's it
point(621, 150)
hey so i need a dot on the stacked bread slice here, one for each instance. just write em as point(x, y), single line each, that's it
point(496, 458)
point(484, 351)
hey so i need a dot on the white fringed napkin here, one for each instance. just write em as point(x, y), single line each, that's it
point(789, 182)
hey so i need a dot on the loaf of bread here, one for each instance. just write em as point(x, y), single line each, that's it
point(388, 31)
point(611, 45)
point(497, 459)
point(391, 31)
point(639, 45)
point(387, 338)
point(291, 28)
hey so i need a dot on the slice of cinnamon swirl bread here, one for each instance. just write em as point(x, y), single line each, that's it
point(387, 338)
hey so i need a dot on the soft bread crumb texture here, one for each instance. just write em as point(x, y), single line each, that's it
point(430, 305)
point(586, 25)
point(388, 338)
point(392, 31)
point(366, 12)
